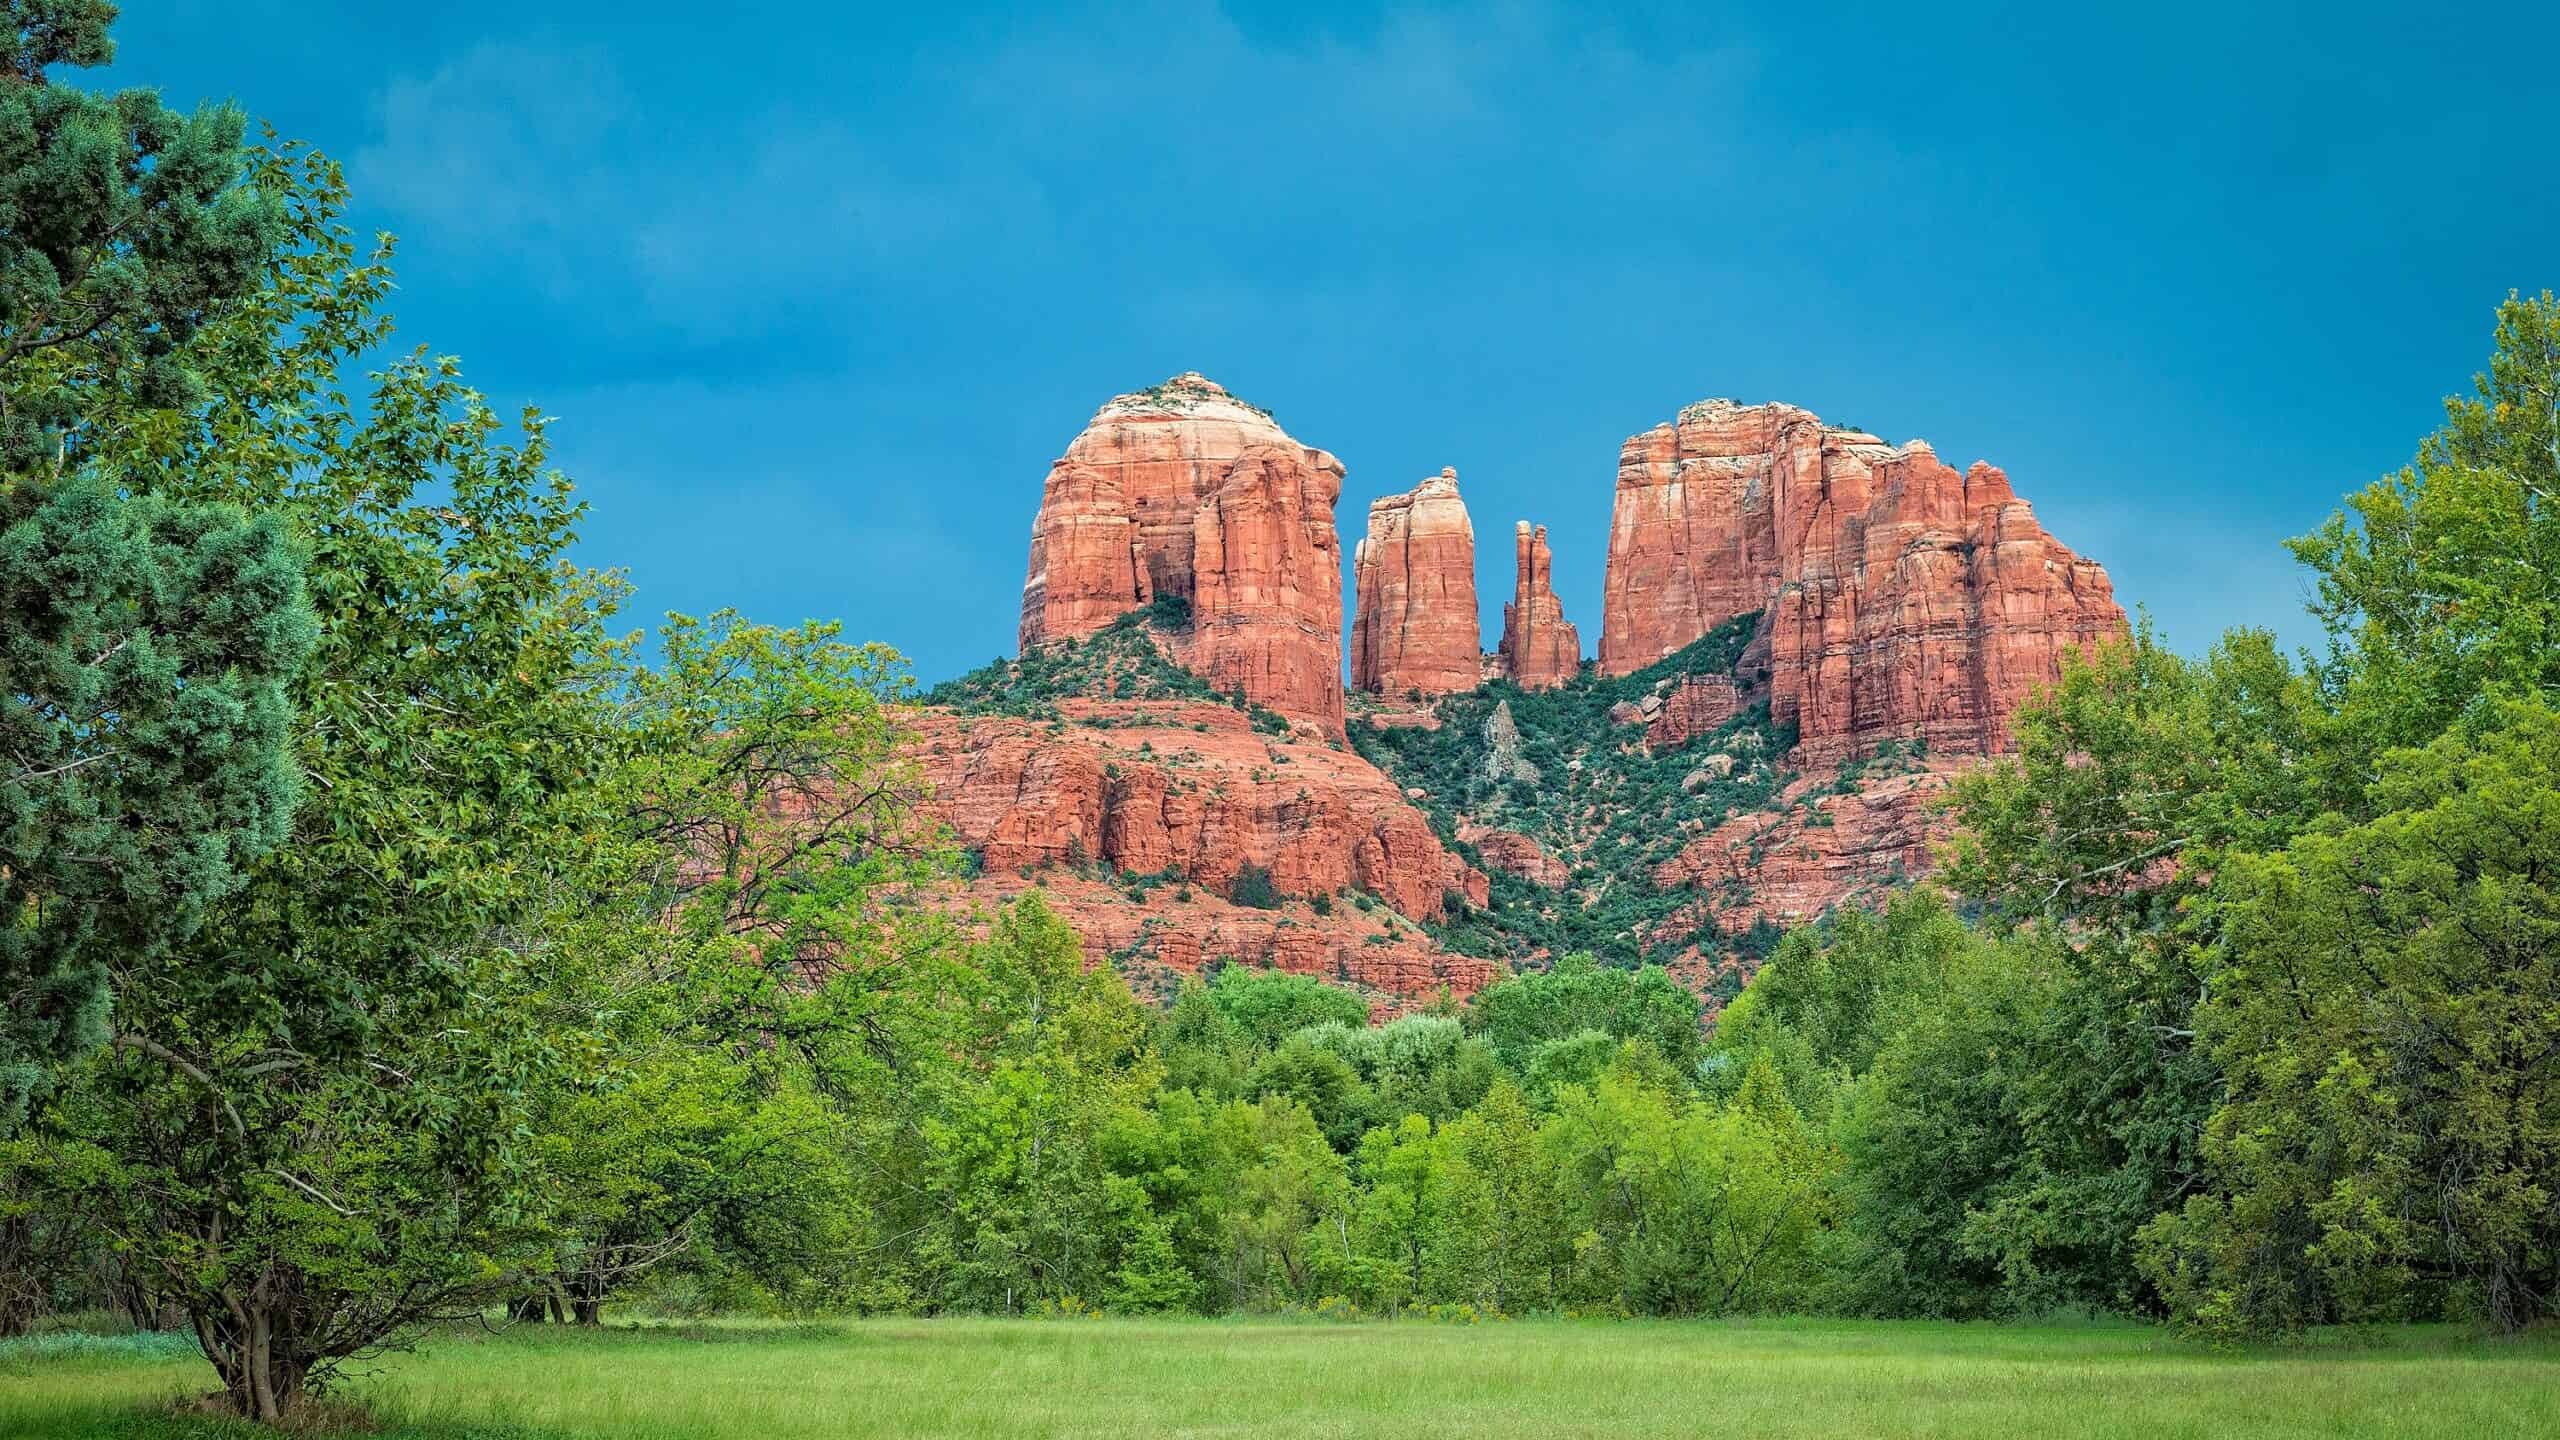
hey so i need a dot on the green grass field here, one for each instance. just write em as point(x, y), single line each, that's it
point(1266, 1378)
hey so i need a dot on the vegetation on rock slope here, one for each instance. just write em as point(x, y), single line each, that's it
point(1552, 765)
point(1122, 661)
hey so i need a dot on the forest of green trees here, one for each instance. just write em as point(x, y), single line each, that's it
point(392, 934)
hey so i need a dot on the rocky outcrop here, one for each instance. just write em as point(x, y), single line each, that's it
point(1695, 706)
point(1904, 599)
point(1503, 760)
point(1414, 627)
point(1513, 853)
point(1539, 649)
point(1931, 617)
point(1187, 791)
point(1693, 536)
point(1813, 850)
point(1176, 933)
point(1185, 490)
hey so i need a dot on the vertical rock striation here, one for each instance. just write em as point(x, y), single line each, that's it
point(1540, 650)
point(1185, 490)
point(1904, 599)
point(1414, 625)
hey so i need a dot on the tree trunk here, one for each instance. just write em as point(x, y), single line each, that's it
point(586, 1299)
point(257, 1345)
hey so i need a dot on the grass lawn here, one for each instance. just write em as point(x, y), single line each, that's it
point(1258, 1379)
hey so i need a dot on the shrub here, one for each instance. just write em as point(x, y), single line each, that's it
point(1252, 886)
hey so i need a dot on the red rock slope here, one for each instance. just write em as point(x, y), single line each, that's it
point(1138, 817)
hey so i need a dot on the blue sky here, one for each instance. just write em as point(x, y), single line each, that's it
point(818, 291)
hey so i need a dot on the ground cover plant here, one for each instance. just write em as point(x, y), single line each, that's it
point(1304, 1377)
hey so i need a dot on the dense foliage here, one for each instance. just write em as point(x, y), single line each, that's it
point(1554, 766)
point(143, 714)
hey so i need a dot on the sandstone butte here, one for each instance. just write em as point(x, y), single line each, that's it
point(1185, 490)
point(1903, 599)
point(1540, 650)
point(1414, 627)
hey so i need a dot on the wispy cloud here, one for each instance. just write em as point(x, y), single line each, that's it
point(992, 167)
point(505, 146)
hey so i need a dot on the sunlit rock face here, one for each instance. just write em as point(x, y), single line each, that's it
point(1540, 649)
point(1413, 619)
point(1185, 490)
point(1904, 599)
point(1191, 794)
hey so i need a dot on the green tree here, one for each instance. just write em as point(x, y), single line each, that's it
point(2139, 777)
point(1320, 1081)
point(1679, 1208)
point(1392, 1241)
point(146, 642)
point(1029, 1209)
point(1291, 1203)
point(145, 724)
point(1269, 1006)
point(1202, 1050)
point(1517, 1015)
point(2389, 1018)
point(1509, 1248)
point(311, 1128)
point(2440, 585)
point(125, 228)
point(1819, 1009)
point(1423, 1065)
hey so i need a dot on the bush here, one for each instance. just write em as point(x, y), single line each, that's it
point(1252, 887)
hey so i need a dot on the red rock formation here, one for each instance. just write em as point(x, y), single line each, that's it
point(1692, 538)
point(1905, 600)
point(1515, 854)
point(1691, 708)
point(1931, 616)
point(1185, 490)
point(1153, 792)
point(1170, 936)
point(1414, 627)
point(1539, 649)
point(1812, 851)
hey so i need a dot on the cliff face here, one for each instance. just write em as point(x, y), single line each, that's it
point(1185, 490)
point(1904, 600)
point(1931, 616)
point(1184, 790)
point(1413, 625)
point(1539, 649)
point(1174, 800)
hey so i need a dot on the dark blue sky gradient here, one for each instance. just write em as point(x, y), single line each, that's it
point(818, 291)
